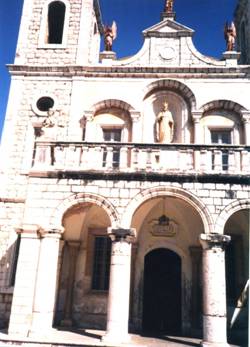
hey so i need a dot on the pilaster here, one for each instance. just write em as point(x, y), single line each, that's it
point(23, 296)
point(45, 290)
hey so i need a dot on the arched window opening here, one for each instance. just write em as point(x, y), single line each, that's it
point(56, 18)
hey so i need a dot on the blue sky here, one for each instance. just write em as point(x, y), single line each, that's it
point(206, 17)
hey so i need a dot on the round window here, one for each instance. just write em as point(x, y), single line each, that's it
point(45, 103)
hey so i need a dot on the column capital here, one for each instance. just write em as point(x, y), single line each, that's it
point(135, 116)
point(51, 233)
point(196, 116)
point(245, 116)
point(28, 231)
point(120, 234)
point(214, 241)
point(89, 116)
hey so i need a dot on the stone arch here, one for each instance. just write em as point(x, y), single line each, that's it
point(175, 86)
point(79, 198)
point(160, 191)
point(228, 211)
point(222, 105)
point(109, 103)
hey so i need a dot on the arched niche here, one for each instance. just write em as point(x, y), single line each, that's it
point(222, 121)
point(177, 105)
point(112, 118)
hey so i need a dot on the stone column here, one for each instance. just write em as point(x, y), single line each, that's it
point(214, 290)
point(246, 120)
point(45, 291)
point(73, 248)
point(23, 296)
point(119, 286)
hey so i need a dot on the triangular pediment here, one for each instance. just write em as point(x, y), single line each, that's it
point(168, 28)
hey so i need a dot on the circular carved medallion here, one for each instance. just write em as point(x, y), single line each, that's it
point(167, 53)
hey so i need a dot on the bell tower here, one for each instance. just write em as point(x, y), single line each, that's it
point(64, 32)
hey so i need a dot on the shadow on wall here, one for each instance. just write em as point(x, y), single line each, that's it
point(8, 264)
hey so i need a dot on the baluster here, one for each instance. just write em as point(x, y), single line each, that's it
point(42, 155)
point(98, 156)
point(245, 162)
point(109, 158)
point(59, 157)
point(190, 159)
point(135, 156)
point(142, 159)
point(84, 157)
point(71, 157)
point(148, 159)
point(217, 162)
point(231, 161)
point(123, 158)
point(205, 160)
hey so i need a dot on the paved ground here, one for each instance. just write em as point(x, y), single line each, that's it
point(91, 338)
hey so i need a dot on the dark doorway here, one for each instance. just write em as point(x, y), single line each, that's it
point(162, 292)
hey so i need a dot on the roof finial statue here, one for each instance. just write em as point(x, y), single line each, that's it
point(230, 35)
point(169, 6)
point(110, 34)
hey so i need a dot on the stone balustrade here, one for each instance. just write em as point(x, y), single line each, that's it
point(128, 157)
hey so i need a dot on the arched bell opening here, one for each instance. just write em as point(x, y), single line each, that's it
point(84, 268)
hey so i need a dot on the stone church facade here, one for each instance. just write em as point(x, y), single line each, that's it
point(105, 223)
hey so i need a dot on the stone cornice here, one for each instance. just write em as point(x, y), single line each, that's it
point(130, 72)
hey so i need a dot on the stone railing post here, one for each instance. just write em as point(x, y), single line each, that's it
point(119, 286)
point(214, 290)
point(45, 291)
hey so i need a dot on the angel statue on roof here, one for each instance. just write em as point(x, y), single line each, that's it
point(169, 6)
point(230, 35)
point(110, 34)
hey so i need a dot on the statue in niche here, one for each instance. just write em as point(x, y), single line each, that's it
point(164, 125)
point(169, 6)
point(230, 35)
point(110, 34)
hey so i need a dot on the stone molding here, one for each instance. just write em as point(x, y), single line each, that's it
point(122, 235)
point(214, 241)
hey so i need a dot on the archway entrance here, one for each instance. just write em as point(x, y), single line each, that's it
point(162, 292)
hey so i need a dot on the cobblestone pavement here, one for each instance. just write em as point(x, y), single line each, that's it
point(91, 338)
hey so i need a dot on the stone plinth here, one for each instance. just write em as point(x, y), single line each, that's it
point(231, 58)
point(107, 57)
point(168, 15)
point(214, 290)
point(119, 286)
